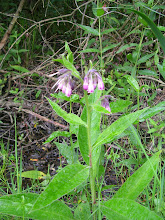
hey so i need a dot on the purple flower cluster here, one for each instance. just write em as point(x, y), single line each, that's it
point(66, 85)
point(91, 80)
point(105, 102)
point(64, 82)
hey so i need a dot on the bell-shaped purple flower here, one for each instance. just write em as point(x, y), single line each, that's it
point(91, 87)
point(105, 102)
point(91, 80)
point(68, 90)
point(64, 82)
point(100, 84)
point(85, 84)
point(95, 81)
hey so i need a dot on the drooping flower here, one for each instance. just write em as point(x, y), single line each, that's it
point(91, 86)
point(64, 81)
point(91, 80)
point(85, 84)
point(100, 84)
point(105, 102)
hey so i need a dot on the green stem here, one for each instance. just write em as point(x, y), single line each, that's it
point(138, 108)
point(101, 48)
point(16, 156)
point(92, 178)
point(100, 41)
point(133, 74)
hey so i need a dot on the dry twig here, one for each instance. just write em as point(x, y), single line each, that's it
point(8, 32)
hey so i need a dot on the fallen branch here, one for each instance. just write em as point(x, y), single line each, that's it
point(9, 104)
point(43, 118)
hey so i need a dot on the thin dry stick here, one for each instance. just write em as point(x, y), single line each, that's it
point(8, 32)
point(39, 23)
point(43, 118)
point(152, 78)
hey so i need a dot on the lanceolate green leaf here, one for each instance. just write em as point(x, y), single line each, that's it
point(100, 109)
point(90, 50)
point(89, 29)
point(145, 58)
point(33, 174)
point(70, 54)
point(110, 47)
point(126, 209)
point(117, 128)
point(121, 49)
point(154, 28)
point(152, 111)
point(69, 117)
point(20, 68)
point(57, 134)
point(83, 138)
point(65, 181)
point(132, 81)
point(71, 67)
point(19, 205)
point(136, 183)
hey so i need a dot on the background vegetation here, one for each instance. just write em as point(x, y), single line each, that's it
point(128, 51)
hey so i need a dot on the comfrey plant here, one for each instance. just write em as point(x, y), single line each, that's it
point(85, 176)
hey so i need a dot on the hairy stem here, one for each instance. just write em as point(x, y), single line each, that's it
point(92, 178)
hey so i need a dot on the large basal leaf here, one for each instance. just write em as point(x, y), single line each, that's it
point(65, 181)
point(19, 205)
point(126, 209)
point(117, 127)
point(154, 28)
point(136, 183)
point(69, 117)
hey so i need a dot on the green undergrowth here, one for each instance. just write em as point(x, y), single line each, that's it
point(108, 162)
